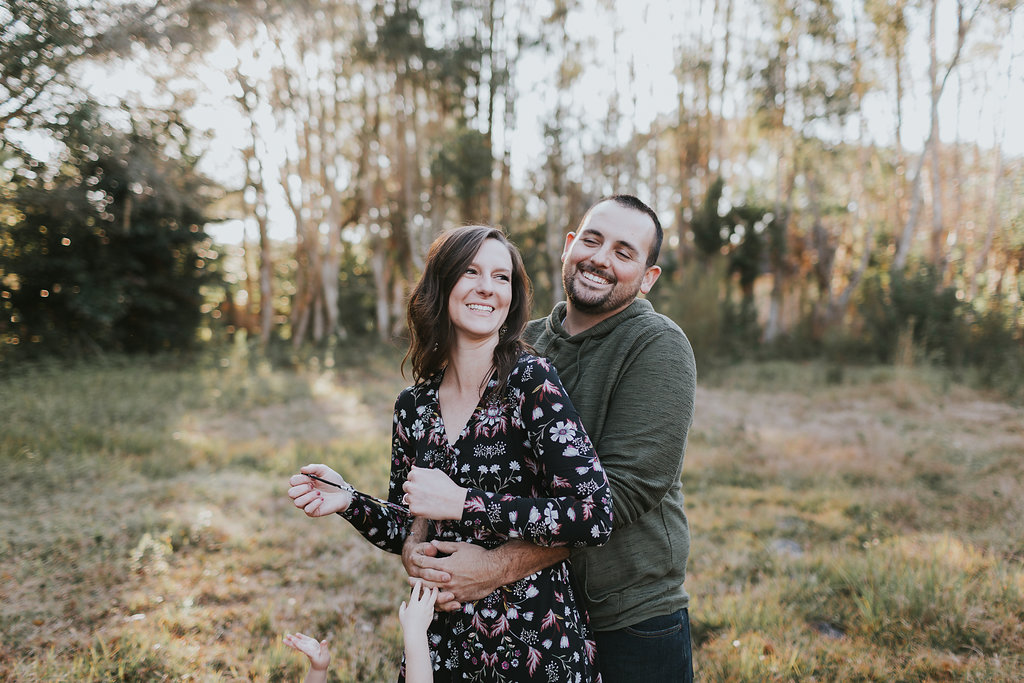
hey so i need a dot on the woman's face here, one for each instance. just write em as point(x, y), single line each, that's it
point(479, 302)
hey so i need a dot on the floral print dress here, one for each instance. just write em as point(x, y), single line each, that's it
point(532, 474)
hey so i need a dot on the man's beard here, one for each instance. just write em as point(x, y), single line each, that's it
point(611, 300)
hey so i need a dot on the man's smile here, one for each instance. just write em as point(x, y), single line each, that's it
point(594, 278)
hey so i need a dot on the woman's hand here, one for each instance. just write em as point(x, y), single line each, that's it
point(316, 498)
point(432, 494)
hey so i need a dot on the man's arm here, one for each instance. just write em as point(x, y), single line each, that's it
point(474, 572)
point(416, 546)
point(644, 434)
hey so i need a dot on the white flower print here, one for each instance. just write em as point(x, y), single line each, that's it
point(563, 432)
point(491, 451)
point(551, 517)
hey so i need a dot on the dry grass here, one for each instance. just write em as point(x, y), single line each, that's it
point(866, 530)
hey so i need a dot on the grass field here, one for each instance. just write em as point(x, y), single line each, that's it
point(857, 526)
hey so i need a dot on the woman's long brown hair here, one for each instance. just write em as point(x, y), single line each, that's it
point(429, 324)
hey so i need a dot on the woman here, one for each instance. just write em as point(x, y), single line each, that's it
point(487, 445)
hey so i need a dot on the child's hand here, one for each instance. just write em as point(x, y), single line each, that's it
point(416, 616)
point(319, 655)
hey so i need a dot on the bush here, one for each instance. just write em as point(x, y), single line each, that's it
point(913, 302)
point(106, 253)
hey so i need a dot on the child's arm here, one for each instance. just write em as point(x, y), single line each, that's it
point(415, 619)
point(319, 655)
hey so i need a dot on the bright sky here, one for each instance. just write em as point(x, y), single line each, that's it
point(647, 43)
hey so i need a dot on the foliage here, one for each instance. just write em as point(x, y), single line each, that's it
point(38, 42)
point(913, 302)
point(910, 317)
point(463, 160)
point(707, 225)
point(43, 41)
point(107, 251)
point(996, 346)
point(701, 296)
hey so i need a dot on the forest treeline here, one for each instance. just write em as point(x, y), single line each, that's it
point(792, 226)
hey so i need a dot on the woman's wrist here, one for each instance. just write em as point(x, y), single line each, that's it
point(459, 503)
point(351, 494)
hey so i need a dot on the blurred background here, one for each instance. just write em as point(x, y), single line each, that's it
point(836, 178)
point(211, 214)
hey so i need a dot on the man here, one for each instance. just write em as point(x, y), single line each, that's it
point(631, 375)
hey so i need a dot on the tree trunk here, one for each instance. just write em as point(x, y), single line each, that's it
point(257, 204)
point(938, 236)
point(937, 87)
point(381, 275)
point(991, 226)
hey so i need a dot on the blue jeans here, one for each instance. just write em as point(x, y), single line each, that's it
point(656, 650)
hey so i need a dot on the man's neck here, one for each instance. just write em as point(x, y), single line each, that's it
point(576, 321)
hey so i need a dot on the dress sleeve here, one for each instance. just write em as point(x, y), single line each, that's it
point(580, 512)
point(386, 523)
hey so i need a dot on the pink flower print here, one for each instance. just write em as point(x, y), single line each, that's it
point(492, 420)
point(548, 387)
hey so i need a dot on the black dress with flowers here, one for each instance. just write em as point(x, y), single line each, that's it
point(532, 474)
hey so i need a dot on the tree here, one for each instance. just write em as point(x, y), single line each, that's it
point(938, 77)
point(107, 252)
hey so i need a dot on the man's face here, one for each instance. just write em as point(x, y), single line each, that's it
point(604, 263)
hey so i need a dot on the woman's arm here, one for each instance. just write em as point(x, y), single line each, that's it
point(319, 491)
point(580, 512)
point(386, 523)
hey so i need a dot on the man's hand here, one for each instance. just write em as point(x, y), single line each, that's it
point(470, 572)
point(416, 558)
point(414, 553)
point(473, 572)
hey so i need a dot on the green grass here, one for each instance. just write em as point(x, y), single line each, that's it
point(866, 526)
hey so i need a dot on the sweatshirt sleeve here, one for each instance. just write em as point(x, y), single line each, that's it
point(579, 512)
point(386, 523)
point(649, 415)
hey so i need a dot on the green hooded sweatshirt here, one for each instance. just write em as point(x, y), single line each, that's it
point(632, 379)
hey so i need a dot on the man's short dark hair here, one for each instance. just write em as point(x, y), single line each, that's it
point(631, 202)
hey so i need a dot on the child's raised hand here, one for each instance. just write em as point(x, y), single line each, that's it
point(416, 616)
point(319, 655)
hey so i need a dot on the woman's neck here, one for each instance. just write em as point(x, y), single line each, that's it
point(470, 366)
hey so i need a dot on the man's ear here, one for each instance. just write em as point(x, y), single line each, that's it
point(569, 237)
point(650, 277)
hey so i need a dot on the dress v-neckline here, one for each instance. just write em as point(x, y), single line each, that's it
point(440, 416)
